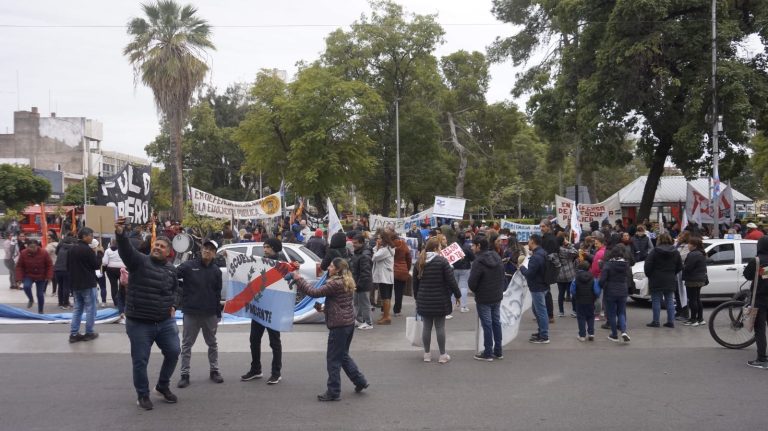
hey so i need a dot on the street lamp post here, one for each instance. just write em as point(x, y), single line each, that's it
point(397, 152)
point(715, 122)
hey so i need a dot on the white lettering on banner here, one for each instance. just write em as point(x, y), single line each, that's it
point(213, 206)
point(515, 301)
point(128, 192)
point(523, 231)
point(609, 209)
point(453, 253)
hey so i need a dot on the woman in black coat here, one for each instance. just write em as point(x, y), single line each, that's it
point(338, 248)
point(661, 267)
point(695, 277)
point(433, 285)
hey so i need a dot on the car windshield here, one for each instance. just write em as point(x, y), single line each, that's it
point(310, 253)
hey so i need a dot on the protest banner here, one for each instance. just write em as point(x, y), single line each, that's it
point(403, 224)
point(206, 204)
point(257, 290)
point(609, 209)
point(129, 191)
point(700, 209)
point(515, 301)
point(453, 253)
point(446, 207)
point(316, 222)
point(524, 231)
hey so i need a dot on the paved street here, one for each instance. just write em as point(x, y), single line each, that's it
point(665, 379)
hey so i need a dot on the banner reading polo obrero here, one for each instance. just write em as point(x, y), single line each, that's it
point(523, 231)
point(403, 224)
point(257, 290)
point(210, 205)
point(129, 191)
point(609, 209)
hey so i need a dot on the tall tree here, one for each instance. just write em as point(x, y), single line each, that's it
point(391, 51)
point(166, 55)
point(19, 187)
point(641, 66)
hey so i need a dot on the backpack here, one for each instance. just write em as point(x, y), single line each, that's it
point(551, 268)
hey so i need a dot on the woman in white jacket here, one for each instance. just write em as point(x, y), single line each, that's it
point(384, 272)
point(112, 264)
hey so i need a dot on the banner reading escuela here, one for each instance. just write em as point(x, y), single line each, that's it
point(609, 209)
point(210, 205)
point(403, 224)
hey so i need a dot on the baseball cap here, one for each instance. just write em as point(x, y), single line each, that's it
point(751, 225)
point(211, 242)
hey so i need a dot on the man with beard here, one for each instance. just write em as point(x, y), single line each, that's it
point(150, 307)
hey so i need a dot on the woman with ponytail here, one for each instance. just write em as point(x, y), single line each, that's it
point(338, 291)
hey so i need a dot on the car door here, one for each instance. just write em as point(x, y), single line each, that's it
point(722, 270)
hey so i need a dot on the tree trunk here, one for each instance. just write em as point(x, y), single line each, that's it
point(176, 168)
point(462, 152)
point(654, 175)
point(320, 203)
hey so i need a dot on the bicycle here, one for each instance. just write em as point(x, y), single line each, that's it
point(726, 323)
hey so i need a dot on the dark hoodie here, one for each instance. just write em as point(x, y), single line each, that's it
point(584, 289)
point(761, 298)
point(534, 272)
point(338, 248)
point(614, 278)
point(486, 278)
point(661, 267)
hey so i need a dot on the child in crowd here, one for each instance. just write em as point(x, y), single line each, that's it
point(584, 292)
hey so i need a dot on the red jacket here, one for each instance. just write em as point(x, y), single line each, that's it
point(36, 266)
point(754, 234)
point(402, 260)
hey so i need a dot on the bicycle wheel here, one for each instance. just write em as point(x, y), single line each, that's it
point(726, 325)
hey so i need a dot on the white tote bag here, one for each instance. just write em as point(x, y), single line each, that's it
point(413, 330)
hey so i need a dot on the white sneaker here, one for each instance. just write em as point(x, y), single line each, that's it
point(464, 310)
point(573, 314)
point(427, 357)
point(560, 314)
point(581, 338)
point(358, 323)
point(103, 305)
point(364, 327)
point(444, 359)
point(625, 337)
point(449, 317)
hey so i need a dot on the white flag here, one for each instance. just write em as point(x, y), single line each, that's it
point(334, 224)
point(575, 224)
point(684, 224)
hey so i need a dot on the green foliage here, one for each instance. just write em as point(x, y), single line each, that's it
point(202, 226)
point(19, 187)
point(759, 164)
point(73, 194)
point(161, 189)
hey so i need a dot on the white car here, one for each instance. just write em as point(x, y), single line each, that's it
point(726, 259)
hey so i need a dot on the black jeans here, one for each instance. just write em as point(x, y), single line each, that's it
point(399, 288)
point(694, 302)
point(113, 274)
point(257, 331)
point(550, 305)
point(563, 287)
point(62, 278)
point(337, 358)
point(760, 322)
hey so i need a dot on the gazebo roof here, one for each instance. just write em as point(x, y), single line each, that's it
point(671, 190)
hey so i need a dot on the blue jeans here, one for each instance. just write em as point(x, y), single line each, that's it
point(585, 315)
point(616, 312)
point(337, 357)
point(462, 279)
point(142, 335)
point(84, 299)
point(40, 290)
point(540, 310)
point(490, 321)
point(669, 300)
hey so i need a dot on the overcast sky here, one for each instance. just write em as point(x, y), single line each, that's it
point(80, 71)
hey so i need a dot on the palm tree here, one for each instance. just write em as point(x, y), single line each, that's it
point(166, 54)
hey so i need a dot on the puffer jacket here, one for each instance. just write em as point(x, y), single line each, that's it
point(661, 267)
point(402, 264)
point(338, 248)
point(37, 266)
point(695, 267)
point(761, 298)
point(486, 278)
point(642, 246)
point(567, 256)
point(361, 266)
point(584, 288)
point(384, 265)
point(534, 272)
point(153, 287)
point(339, 309)
point(433, 286)
point(614, 278)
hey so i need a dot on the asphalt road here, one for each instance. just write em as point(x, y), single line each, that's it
point(665, 379)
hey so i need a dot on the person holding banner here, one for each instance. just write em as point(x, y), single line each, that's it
point(486, 281)
point(534, 275)
point(433, 285)
point(339, 313)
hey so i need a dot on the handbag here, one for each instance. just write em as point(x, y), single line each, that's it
point(413, 329)
point(124, 277)
point(750, 311)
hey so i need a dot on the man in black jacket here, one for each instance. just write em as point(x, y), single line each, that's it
point(82, 263)
point(151, 300)
point(534, 276)
point(200, 301)
point(486, 281)
point(549, 244)
point(272, 249)
point(362, 266)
